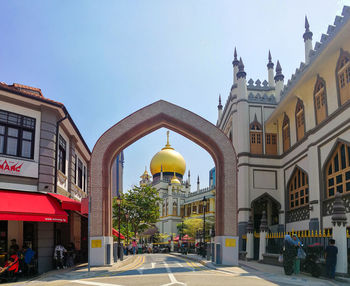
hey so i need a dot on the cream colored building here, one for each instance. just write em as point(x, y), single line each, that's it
point(293, 138)
point(178, 202)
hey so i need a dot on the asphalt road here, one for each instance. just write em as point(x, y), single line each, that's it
point(164, 270)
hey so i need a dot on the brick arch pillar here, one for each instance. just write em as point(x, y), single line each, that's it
point(132, 128)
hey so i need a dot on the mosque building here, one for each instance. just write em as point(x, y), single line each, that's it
point(293, 138)
point(178, 202)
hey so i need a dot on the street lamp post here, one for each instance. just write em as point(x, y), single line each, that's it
point(127, 228)
point(119, 246)
point(204, 209)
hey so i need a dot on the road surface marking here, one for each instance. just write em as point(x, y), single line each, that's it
point(171, 276)
point(153, 264)
point(94, 283)
point(179, 264)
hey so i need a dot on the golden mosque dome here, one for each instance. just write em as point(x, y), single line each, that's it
point(168, 160)
point(175, 180)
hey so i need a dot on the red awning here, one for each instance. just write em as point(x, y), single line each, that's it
point(27, 206)
point(116, 233)
point(67, 203)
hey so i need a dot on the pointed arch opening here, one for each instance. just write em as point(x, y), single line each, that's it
point(134, 127)
point(298, 189)
point(300, 119)
point(286, 133)
point(343, 76)
point(256, 133)
point(320, 100)
point(337, 170)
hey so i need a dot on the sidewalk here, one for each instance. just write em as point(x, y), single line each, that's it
point(79, 271)
point(267, 272)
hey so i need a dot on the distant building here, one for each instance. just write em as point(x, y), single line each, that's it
point(178, 202)
point(117, 175)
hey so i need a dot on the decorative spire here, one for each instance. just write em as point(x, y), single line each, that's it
point(270, 63)
point(161, 168)
point(279, 75)
point(189, 173)
point(250, 225)
point(198, 179)
point(220, 105)
point(241, 73)
point(339, 211)
point(167, 146)
point(235, 60)
point(308, 34)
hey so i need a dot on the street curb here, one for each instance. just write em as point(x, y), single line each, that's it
point(127, 260)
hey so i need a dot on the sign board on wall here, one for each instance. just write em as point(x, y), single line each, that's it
point(15, 167)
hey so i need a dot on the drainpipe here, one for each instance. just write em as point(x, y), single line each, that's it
point(56, 151)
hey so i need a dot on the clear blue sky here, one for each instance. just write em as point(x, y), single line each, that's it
point(106, 59)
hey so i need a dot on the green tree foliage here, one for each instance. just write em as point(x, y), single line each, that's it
point(139, 209)
point(192, 225)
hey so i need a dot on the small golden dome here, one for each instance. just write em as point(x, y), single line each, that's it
point(175, 180)
point(168, 160)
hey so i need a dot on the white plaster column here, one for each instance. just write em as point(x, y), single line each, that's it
point(170, 205)
point(250, 239)
point(178, 207)
point(339, 234)
point(263, 234)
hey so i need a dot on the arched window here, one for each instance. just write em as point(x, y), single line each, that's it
point(256, 137)
point(286, 133)
point(175, 208)
point(298, 189)
point(338, 171)
point(300, 119)
point(320, 100)
point(343, 76)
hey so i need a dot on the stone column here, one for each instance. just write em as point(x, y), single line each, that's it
point(250, 239)
point(339, 233)
point(263, 233)
point(178, 207)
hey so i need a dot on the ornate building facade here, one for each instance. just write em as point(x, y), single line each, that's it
point(178, 202)
point(293, 140)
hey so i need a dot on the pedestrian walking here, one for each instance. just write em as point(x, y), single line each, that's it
point(289, 255)
point(331, 258)
point(300, 253)
point(134, 246)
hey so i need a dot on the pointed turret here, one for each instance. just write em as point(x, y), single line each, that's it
point(161, 172)
point(307, 40)
point(241, 73)
point(241, 81)
point(189, 177)
point(270, 71)
point(279, 80)
point(235, 63)
point(198, 184)
point(219, 108)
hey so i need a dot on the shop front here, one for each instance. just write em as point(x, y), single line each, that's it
point(34, 219)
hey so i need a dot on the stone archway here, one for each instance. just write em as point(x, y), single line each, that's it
point(132, 128)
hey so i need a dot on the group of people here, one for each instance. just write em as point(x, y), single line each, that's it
point(133, 247)
point(18, 261)
point(293, 252)
point(64, 257)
